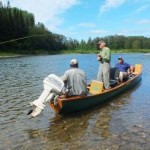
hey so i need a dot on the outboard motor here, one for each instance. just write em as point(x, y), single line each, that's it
point(53, 87)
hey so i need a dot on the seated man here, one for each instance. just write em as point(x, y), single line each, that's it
point(124, 69)
point(75, 80)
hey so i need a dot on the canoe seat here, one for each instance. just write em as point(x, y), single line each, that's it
point(114, 76)
point(114, 73)
point(96, 87)
point(138, 69)
point(113, 83)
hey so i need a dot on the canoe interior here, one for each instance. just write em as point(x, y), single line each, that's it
point(77, 103)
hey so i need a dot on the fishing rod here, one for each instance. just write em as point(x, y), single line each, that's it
point(13, 40)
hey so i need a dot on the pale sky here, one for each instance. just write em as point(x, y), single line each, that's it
point(81, 19)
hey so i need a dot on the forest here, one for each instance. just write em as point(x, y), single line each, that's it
point(20, 34)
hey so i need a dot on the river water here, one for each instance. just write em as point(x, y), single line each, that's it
point(123, 123)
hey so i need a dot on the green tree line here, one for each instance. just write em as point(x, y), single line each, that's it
point(20, 34)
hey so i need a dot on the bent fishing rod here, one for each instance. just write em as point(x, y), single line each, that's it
point(13, 40)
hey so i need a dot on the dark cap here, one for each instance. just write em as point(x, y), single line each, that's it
point(120, 58)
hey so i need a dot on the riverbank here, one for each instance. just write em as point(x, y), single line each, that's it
point(11, 54)
point(113, 51)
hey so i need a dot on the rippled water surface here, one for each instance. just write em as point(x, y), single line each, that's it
point(122, 123)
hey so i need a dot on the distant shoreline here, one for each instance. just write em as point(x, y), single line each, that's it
point(14, 55)
point(11, 56)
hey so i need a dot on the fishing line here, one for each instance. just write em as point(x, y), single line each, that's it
point(13, 40)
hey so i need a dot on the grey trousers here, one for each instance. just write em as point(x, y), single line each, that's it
point(104, 74)
point(123, 75)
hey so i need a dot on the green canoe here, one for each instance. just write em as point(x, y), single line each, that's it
point(77, 103)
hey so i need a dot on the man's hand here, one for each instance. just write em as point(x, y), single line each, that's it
point(99, 55)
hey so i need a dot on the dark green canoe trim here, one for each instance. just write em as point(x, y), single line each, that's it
point(73, 104)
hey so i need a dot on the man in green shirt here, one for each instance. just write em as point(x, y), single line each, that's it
point(104, 69)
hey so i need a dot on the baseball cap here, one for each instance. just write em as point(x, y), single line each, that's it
point(120, 57)
point(73, 62)
point(100, 42)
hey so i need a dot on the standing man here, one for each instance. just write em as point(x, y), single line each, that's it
point(104, 69)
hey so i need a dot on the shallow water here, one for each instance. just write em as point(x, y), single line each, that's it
point(122, 123)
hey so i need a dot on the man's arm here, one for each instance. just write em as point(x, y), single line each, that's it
point(64, 77)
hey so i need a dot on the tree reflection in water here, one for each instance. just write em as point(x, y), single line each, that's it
point(81, 127)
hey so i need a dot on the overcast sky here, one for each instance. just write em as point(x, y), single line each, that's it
point(81, 19)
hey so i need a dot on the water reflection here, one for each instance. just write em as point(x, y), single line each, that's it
point(64, 128)
point(122, 123)
point(81, 125)
point(104, 119)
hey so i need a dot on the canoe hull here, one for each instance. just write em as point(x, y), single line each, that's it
point(79, 103)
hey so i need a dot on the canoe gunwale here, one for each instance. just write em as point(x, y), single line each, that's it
point(61, 107)
point(104, 92)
